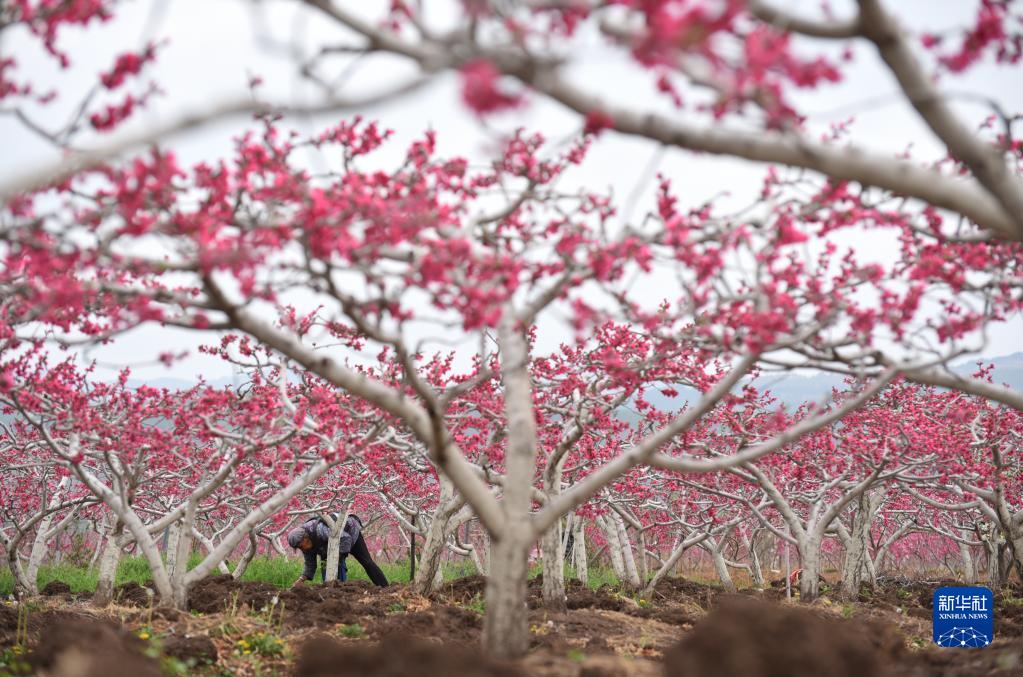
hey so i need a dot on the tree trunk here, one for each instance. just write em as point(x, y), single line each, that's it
point(643, 572)
point(756, 568)
point(108, 562)
point(614, 547)
point(554, 598)
point(969, 570)
point(182, 550)
point(582, 571)
point(810, 559)
point(857, 548)
point(506, 624)
point(37, 554)
point(994, 573)
point(247, 557)
point(627, 557)
point(334, 544)
point(436, 538)
point(170, 547)
point(481, 554)
point(720, 566)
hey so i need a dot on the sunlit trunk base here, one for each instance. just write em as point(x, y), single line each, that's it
point(721, 567)
point(506, 625)
point(553, 570)
point(108, 562)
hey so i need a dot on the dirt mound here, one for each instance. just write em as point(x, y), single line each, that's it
point(133, 594)
point(746, 637)
point(304, 606)
point(1009, 614)
point(453, 624)
point(218, 593)
point(323, 657)
point(682, 591)
point(462, 590)
point(192, 651)
point(602, 598)
point(90, 648)
point(55, 588)
point(1001, 659)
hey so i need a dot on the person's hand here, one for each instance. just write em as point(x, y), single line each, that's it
point(300, 581)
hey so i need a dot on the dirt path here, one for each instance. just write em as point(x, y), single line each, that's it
point(686, 629)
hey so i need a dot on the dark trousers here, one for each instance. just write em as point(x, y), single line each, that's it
point(342, 570)
point(361, 554)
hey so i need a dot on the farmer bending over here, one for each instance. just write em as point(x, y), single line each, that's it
point(312, 537)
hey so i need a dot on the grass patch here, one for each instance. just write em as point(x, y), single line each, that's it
point(279, 571)
point(353, 631)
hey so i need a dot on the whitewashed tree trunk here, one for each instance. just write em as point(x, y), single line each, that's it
point(172, 537)
point(682, 544)
point(507, 613)
point(246, 558)
point(641, 562)
point(208, 545)
point(810, 561)
point(183, 550)
point(756, 568)
point(994, 571)
point(334, 543)
point(506, 626)
point(857, 547)
point(108, 562)
point(614, 547)
point(554, 597)
point(969, 571)
point(481, 554)
point(37, 554)
point(582, 570)
point(720, 566)
point(429, 564)
point(631, 572)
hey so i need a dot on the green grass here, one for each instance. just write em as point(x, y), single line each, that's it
point(280, 571)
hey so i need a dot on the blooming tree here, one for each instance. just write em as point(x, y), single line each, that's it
point(354, 275)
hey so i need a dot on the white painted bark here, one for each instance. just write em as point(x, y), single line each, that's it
point(857, 564)
point(37, 554)
point(810, 562)
point(505, 626)
point(173, 536)
point(628, 560)
point(553, 552)
point(208, 545)
point(967, 567)
point(108, 562)
point(756, 564)
point(720, 566)
point(246, 558)
point(579, 557)
point(334, 543)
point(481, 555)
point(681, 546)
point(436, 538)
point(182, 550)
point(614, 546)
point(507, 613)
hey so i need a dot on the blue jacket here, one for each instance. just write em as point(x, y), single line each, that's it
point(319, 534)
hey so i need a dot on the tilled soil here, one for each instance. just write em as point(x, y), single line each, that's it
point(684, 629)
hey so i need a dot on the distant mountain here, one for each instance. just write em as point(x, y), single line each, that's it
point(793, 389)
point(176, 383)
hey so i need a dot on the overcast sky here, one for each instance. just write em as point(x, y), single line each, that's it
point(214, 46)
